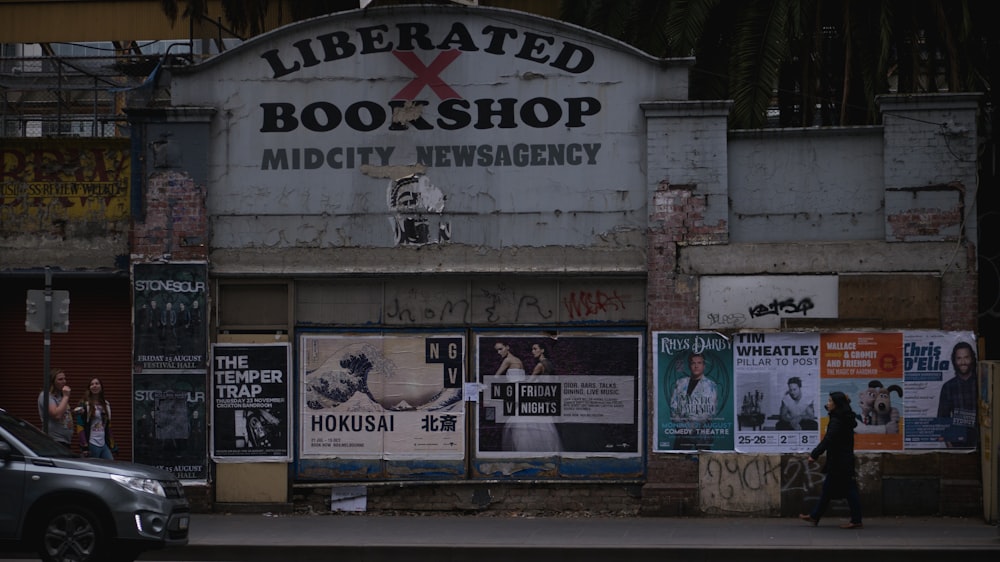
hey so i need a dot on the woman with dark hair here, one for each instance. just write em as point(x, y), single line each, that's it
point(838, 444)
point(544, 365)
point(93, 420)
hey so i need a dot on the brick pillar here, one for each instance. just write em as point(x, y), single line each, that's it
point(175, 227)
point(686, 147)
point(931, 181)
point(960, 294)
point(688, 185)
point(672, 296)
point(169, 212)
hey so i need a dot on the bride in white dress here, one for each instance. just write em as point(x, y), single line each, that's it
point(534, 433)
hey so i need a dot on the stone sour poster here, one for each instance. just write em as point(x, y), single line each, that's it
point(169, 317)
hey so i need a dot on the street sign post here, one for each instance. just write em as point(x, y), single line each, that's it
point(47, 312)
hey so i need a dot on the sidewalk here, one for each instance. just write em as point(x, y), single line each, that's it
point(373, 538)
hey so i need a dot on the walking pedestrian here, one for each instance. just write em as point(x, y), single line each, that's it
point(838, 444)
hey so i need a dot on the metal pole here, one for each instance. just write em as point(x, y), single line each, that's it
point(59, 104)
point(93, 124)
point(47, 342)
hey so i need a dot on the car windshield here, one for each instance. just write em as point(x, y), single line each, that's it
point(32, 437)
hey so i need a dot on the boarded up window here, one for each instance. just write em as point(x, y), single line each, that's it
point(884, 302)
point(253, 306)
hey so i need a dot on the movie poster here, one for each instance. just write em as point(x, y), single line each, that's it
point(778, 404)
point(382, 396)
point(169, 317)
point(250, 402)
point(566, 394)
point(693, 377)
point(168, 427)
point(940, 390)
point(868, 368)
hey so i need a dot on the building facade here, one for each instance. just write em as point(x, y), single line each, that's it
point(460, 258)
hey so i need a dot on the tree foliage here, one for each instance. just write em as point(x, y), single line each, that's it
point(808, 62)
point(250, 16)
point(783, 62)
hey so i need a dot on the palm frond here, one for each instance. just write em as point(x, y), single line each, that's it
point(760, 47)
point(686, 23)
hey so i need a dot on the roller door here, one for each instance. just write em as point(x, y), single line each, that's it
point(98, 343)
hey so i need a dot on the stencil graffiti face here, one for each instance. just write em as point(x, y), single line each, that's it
point(410, 198)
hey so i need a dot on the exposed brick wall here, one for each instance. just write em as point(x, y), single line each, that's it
point(919, 223)
point(891, 484)
point(960, 293)
point(200, 498)
point(961, 498)
point(175, 221)
point(676, 220)
point(672, 487)
point(512, 497)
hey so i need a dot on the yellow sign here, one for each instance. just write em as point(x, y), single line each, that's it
point(69, 186)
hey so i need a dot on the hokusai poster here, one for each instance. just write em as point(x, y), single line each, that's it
point(382, 396)
point(251, 386)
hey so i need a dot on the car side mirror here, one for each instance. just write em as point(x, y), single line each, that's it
point(5, 451)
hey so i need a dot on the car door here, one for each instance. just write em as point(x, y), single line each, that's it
point(11, 489)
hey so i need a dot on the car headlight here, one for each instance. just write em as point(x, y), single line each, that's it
point(147, 485)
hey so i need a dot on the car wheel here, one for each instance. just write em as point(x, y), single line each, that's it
point(70, 534)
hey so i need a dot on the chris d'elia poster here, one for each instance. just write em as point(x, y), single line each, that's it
point(940, 390)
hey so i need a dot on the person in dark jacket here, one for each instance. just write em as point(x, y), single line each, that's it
point(838, 444)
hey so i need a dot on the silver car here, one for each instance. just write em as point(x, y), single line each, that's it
point(69, 508)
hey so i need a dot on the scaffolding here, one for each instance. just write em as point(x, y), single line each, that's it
point(53, 95)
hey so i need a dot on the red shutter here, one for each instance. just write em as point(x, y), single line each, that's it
point(98, 343)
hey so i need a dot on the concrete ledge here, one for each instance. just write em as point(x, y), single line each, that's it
point(559, 553)
point(242, 507)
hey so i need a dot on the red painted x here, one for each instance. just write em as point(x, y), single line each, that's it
point(427, 75)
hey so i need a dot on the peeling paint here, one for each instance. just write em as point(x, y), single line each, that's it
point(512, 468)
point(394, 173)
point(409, 111)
